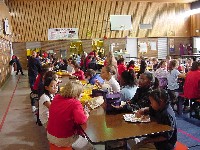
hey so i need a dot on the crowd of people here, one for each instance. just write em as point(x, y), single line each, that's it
point(151, 91)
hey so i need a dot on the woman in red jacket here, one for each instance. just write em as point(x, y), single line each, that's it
point(66, 114)
point(192, 82)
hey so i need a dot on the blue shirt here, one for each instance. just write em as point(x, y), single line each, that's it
point(172, 79)
point(127, 93)
point(93, 79)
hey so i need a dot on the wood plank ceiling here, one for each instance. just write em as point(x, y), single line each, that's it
point(163, 1)
point(32, 19)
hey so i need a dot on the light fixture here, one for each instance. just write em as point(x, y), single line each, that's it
point(192, 12)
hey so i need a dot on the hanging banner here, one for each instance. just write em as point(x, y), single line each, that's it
point(62, 33)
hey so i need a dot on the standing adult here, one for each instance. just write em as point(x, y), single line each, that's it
point(34, 67)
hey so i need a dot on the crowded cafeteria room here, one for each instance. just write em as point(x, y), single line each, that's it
point(99, 74)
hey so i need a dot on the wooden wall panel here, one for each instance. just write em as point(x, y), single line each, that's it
point(5, 50)
point(177, 42)
point(121, 44)
point(31, 19)
point(64, 45)
point(195, 25)
point(87, 45)
point(150, 53)
point(20, 52)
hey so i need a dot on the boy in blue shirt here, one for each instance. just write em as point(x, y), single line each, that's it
point(93, 77)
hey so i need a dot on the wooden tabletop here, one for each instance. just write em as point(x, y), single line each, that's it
point(102, 127)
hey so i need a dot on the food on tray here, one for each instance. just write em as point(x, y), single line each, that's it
point(133, 118)
point(96, 102)
point(123, 103)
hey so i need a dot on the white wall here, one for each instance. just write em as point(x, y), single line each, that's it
point(131, 47)
point(162, 48)
point(196, 44)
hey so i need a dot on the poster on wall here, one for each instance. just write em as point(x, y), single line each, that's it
point(171, 46)
point(62, 33)
point(153, 46)
point(143, 47)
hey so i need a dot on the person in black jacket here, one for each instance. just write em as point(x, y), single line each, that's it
point(143, 67)
point(15, 60)
point(34, 67)
point(147, 82)
point(161, 110)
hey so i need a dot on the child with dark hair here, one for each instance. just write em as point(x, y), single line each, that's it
point(93, 77)
point(78, 72)
point(121, 67)
point(131, 65)
point(143, 66)
point(192, 82)
point(63, 65)
point(41, 89)
point(70, 67)
point(155, 63)
point(161, 74)
point(129, 88)
point(50, 89)
point(15, 60)
point(162, 112)
point(147, 82)
point(38, 81)
point(93, 64)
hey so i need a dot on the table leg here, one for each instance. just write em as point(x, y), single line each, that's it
point(180, 105)
point(109, 145)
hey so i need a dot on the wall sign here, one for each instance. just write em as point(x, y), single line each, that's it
point(171, 46)
point(62, 33)
point(6, 26)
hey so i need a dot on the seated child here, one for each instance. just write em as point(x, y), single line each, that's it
point(66, 114)
point(107, 74)
point(121, 67)
point(93, 77)
point(78, 72)
point(36, 85)
point(162, 112)
point(50, 89)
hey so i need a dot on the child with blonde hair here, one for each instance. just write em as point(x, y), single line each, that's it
point(66, 114)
